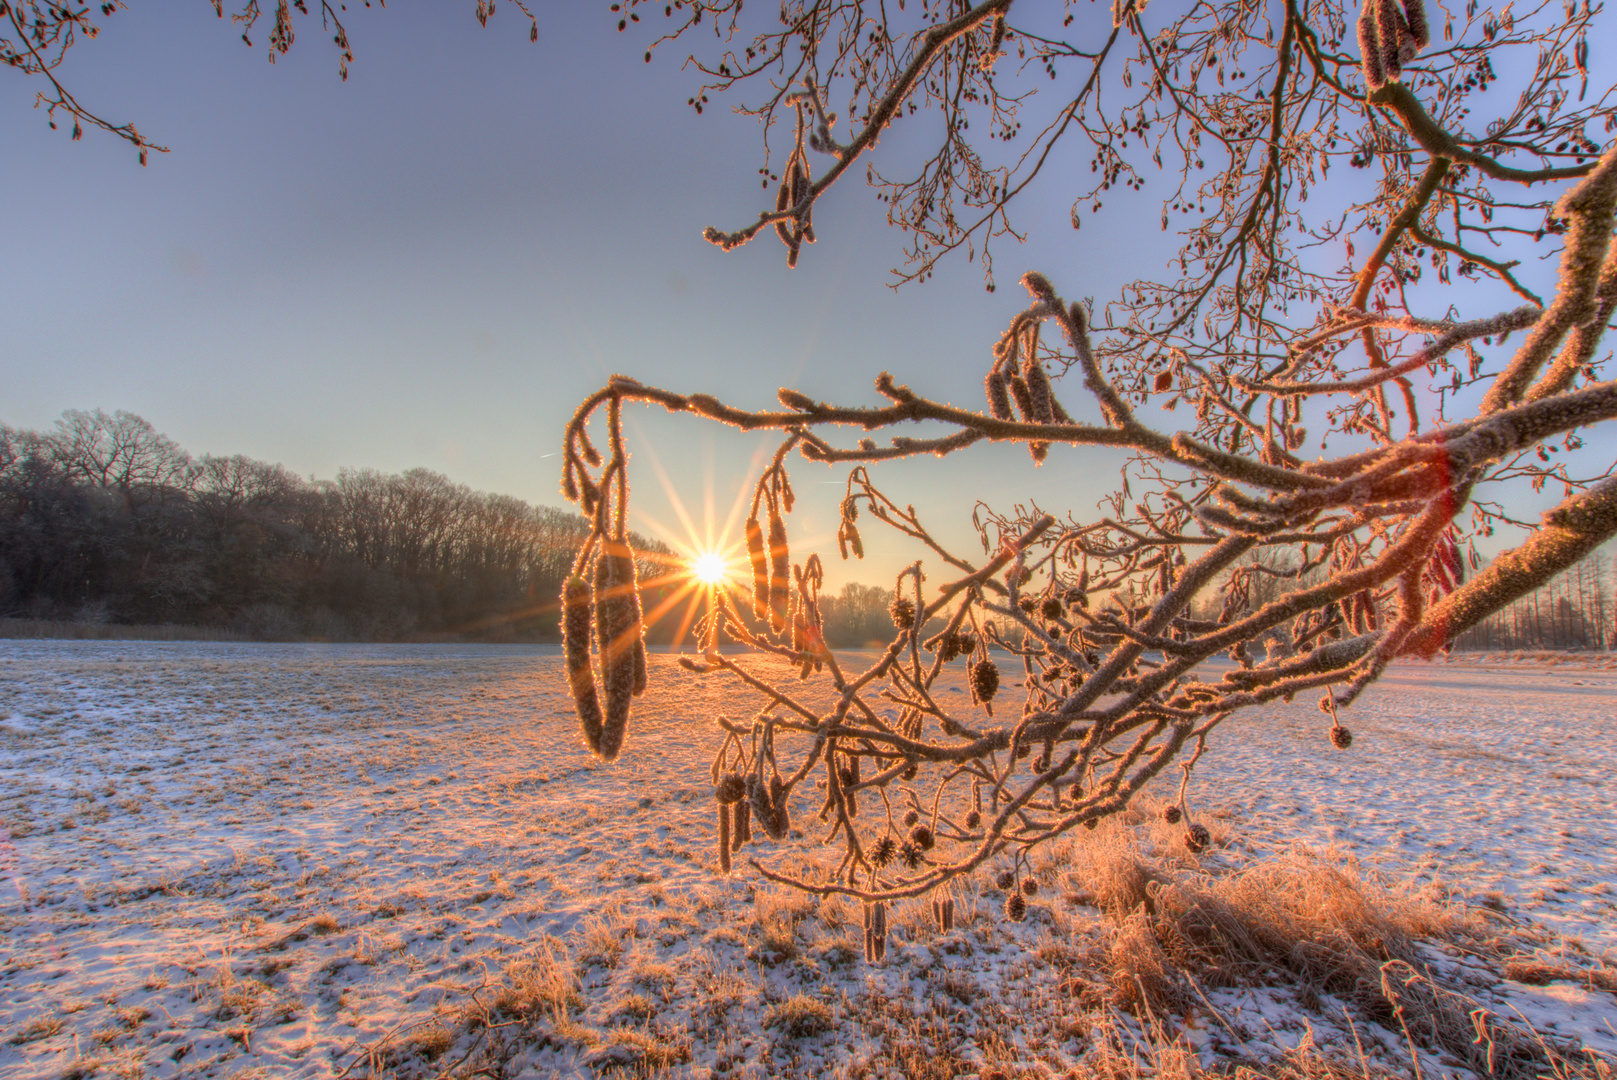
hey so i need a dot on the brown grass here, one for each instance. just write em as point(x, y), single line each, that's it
point(1111, 979)
point(1317, 926)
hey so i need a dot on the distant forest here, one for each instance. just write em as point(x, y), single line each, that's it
point(106, 520)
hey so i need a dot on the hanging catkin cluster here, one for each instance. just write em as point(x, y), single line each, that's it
point(1018, 375)
point(770, 557)
point(793, 192)
point(1391, 33)
point(603, 635)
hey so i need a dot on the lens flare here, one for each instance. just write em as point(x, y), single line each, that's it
point(709, 567)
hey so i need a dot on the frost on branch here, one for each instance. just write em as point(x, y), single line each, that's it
point(1313, 450)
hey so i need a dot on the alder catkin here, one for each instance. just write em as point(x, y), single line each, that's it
point(760, 568)
point(1420, 30)
point(1023, 398)
point(617, 630)
point(780, 570)
point(782, 823)
point(742, 833)
point(575, 631)
point(783, 201)
point(1375, 74)
point(850, 781)
point(724, 838)
point(999, 395)
point(1040, 396)
point(1387, 27)
point(875, 932)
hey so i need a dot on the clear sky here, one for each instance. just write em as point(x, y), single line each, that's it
point(431, 264)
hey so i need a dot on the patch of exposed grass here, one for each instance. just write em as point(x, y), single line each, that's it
point(799, 1017)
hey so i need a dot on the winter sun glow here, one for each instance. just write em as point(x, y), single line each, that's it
point(709, 567)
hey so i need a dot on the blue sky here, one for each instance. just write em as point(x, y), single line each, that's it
point(431, 264)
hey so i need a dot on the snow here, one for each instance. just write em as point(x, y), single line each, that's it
point(233, 859)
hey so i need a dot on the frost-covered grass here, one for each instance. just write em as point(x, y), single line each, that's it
point(254, 860)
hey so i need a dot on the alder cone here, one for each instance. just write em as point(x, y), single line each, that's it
point(731, 788)
point(760, 568)
point(769, 806)
point(618, 638)
point(984, 680)
point(575, 638)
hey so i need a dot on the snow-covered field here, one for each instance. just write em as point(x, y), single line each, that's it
point(285, 860)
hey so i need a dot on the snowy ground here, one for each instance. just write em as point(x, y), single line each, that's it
point(243, 860)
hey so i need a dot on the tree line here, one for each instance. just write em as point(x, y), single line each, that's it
point(1574, 611)
point(105, 519)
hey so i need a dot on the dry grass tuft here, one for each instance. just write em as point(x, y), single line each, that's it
point(1315, 925)
point(42, 1028)
point(542, 982)
point(1534, 972)
point(431, 1042)
point(799, 1017)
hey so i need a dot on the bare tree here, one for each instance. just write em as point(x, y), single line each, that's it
point(1295, 303)
point(1259, 335)
point(121, 452)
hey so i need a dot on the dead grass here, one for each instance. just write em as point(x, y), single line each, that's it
point(1313, 925)
point(42, 1028)
point(800, 1017)
point(1112, 977)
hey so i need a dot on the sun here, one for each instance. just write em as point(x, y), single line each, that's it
point(709, 567)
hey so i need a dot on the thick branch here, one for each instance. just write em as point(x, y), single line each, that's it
point(1569, 532)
